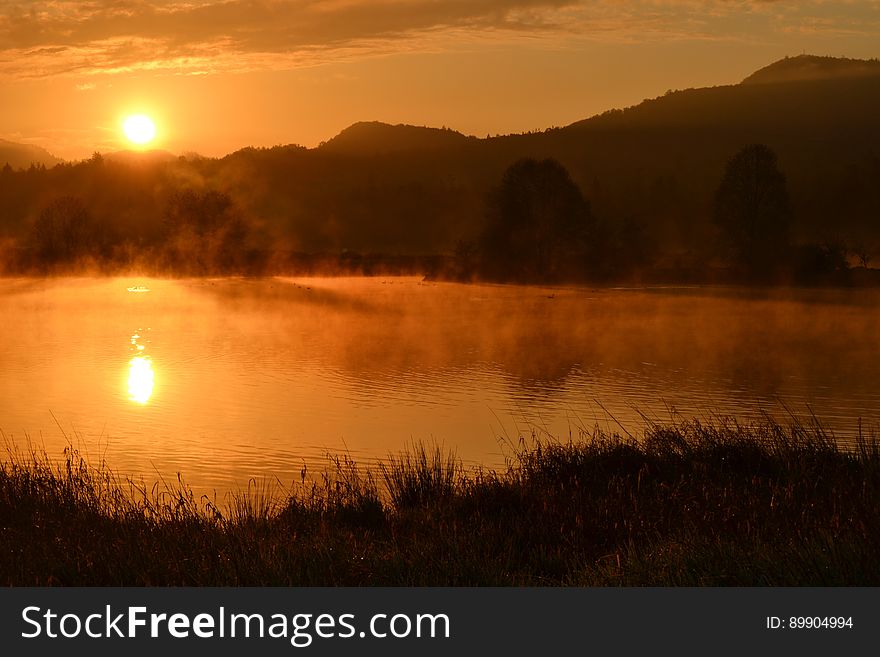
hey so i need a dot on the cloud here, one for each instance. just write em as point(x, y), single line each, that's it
point(57, 37)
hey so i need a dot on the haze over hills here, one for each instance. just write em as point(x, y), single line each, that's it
point(376, 137)
point(21, 156)
point(835, 97)
point(153, 156)
point(710, 106)
point(648, 171)
point(811, 67)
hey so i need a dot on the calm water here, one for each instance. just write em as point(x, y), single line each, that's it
point(227, 379)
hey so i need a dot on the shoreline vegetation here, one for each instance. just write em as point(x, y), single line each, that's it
point(441, 268)
point(687, 504)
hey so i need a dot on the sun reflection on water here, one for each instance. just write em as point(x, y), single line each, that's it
point(140, 379)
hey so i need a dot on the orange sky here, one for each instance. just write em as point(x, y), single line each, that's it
point(221, 75)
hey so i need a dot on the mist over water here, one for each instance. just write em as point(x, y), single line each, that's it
point(228, 379)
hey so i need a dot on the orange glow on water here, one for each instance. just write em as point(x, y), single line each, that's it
point(141, 379)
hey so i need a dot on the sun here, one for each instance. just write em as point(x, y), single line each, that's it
point(139, 128)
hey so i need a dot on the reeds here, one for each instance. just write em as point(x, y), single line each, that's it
point(687, 504)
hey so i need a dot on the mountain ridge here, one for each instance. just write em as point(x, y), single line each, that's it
point(771, 82)
point(377, 136)
point(21, 156)
point(813, 67)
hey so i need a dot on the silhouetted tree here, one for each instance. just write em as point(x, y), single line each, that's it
point(207, 233)
point(863, 254)
point(64, 231)
point(627, 247)
point(752, 209)
point(201, 212)
point(464, 259)
point(820, 263)
point(538, 225)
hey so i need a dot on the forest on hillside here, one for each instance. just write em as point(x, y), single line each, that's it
point(644, 183)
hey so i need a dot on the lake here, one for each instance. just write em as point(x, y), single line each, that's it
point(225, 380)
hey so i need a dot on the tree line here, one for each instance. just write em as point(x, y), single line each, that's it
point(539, 227)
point(536, 224)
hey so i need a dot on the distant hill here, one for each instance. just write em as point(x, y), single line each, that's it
point(21, 156)
point(811, 67)
point(376, 137)
point(140, 157)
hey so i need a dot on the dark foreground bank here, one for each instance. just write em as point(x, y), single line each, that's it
point(689, 504)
